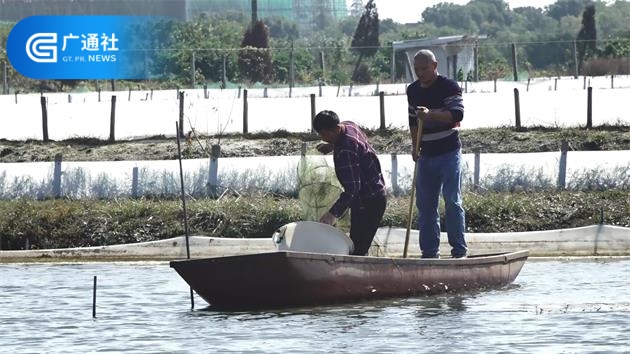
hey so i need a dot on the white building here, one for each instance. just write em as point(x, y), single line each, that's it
point(453, 53)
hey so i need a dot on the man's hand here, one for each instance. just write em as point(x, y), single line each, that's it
point(422, 113)
point(328, 218)
point(325, 148)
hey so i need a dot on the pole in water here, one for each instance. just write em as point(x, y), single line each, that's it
point(181, 178)
point(94, 299)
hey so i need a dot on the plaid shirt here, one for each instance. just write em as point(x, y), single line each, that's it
point(358, 169)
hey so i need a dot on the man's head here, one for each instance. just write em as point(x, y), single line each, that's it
point(425, 66)
point(326, 124)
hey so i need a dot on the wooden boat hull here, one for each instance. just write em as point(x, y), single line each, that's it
point(289, 279)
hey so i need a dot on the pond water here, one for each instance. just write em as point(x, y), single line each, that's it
point(559, 306)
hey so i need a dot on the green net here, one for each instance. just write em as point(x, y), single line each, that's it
point(319, 188)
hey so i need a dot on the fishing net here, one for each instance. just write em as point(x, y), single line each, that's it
point(319, 189)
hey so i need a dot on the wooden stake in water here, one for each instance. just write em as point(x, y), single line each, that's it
point(181, 178)
point(94, 299)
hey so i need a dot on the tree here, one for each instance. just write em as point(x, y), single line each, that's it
point(254, 60)
point(365, 41)
point(587, 37)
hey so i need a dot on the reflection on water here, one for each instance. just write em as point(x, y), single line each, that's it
point(554, 306)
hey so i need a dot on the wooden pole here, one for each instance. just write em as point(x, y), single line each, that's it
point(392, 74)
point(213, 177)
point(413, 186)
point(381, 98)
point(94, 299)
point(313, 113)
point(589, 108)
point(562, 171)
point(134, 183)
point(477, 169)
point(394, 177)
point(193, 71)
point(245, 113)
point(57, 177)
point(576, 66)
point(44, 118)
point(517, 109)
point(514, 63)
point(181, 114)
point(183, 195)
point(5, 85)
point(112, 120)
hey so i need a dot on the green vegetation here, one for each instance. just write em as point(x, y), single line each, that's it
point(72, 223)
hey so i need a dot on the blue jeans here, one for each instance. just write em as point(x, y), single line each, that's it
point(441, 173)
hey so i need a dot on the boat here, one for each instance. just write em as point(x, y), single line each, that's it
point(312, 266)
point(284, 279)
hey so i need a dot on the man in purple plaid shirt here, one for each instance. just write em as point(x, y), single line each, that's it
point(359, 172)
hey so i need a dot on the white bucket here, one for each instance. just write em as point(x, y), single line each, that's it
point(313, 237)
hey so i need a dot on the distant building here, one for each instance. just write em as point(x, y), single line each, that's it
point(455, 54)
point(306, 13)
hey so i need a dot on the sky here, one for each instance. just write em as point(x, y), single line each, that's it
point(409, 11)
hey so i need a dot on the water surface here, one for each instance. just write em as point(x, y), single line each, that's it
point(559, 306)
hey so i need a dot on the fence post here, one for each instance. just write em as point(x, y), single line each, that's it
point(313, 113)
point(576, 68)
point(134, 183)
point(517, 109)
point(56, 187)
point(338, 88)
point(555, 84)
point(5, 86)
point(495, 85)
point(562, 170)
point(181, 114)
point(113, 82)
point(44, 118)
point(612, 81)
point(151, 94)
point(213, 179)
point(394, 177)
point(320, 88)
point(265, 92)
point(381, 98)
point(205, 91)
point(584, 86)
point(589, 108)
point(69, 98)
point(112, 120)
point(245, 112)
point(99, 94)
point(528, 80)
point(350, 91)
point(514, 62)
point(477, 169)
point(16, 94)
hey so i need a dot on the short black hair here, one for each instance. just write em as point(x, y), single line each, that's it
point(325, 120)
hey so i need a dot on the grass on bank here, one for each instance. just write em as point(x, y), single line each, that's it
point(89, 222)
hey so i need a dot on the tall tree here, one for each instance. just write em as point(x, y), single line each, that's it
point(254, 60)
point(587, 37)
point(365, 41)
